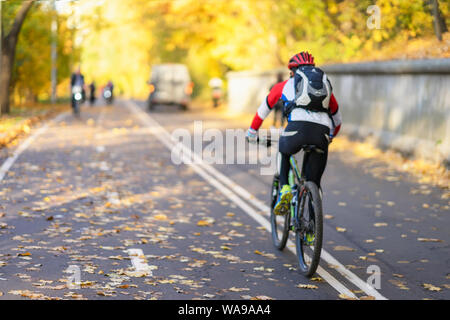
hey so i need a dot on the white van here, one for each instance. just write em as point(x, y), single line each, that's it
point(170, 84)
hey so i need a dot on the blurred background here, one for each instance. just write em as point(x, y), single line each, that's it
point(120, 40)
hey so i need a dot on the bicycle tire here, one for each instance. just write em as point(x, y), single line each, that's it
point(279, 243)
point(76, 109)
point(308, 268)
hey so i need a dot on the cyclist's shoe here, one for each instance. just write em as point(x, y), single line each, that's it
point(284, 201)
point(309, 238)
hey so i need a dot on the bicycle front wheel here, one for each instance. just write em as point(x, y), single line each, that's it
point(309, 234)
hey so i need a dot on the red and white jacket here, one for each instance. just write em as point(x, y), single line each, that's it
point(285, 91)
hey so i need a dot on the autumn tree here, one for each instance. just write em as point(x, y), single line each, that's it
point(125, 38)
point(439, 23)
point(8, 45)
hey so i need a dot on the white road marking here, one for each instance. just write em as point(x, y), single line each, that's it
point(159, 132)
point(24, 146)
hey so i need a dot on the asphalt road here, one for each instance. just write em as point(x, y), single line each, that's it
point(87, 191)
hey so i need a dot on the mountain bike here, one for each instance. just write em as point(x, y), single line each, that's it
point(305, 218)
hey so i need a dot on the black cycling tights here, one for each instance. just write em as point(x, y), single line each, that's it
point(297, 134)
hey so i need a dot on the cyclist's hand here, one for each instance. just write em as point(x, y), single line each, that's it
point(330, 138)
point(252, 135)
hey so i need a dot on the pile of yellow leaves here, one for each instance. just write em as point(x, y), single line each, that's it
point(425, 171)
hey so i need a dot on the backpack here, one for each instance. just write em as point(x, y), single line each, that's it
point(312, 90)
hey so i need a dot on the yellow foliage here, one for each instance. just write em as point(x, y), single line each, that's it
point(121, 39)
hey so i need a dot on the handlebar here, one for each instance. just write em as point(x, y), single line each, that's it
point(264, 141)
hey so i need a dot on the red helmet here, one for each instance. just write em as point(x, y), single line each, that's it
point(302, 58)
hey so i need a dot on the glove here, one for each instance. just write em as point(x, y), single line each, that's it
point(252, 135)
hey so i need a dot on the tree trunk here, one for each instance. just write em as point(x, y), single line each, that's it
point(439, 21)
point(8, 53)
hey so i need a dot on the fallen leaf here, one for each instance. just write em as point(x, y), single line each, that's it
point(261, 298)
point(267, 255)
point(343, 248)
point(346, 297)
point(124, 286)
point(236, 224)
point(25, 254)
point(431, 287)
point(380, 224)
point(205, 222)
point(367, 298)
point(428, 240)
point(160, 217)
point(339, 229)
point(307, 286)
point(234, 289)
point(399, 284)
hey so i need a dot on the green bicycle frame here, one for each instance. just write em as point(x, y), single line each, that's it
point(294, 169)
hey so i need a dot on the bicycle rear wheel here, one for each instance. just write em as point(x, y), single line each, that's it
point(280, 224)
point(308, 238)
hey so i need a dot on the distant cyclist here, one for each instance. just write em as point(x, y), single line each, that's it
point(313, 118)
point(77, 82)
point(108, 94)
point(92, 89)
point(278, 107)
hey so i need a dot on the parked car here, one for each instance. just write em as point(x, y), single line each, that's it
point(170, 84)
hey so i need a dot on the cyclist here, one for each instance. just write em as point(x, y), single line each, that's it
point(313, 118)
point(77, 79)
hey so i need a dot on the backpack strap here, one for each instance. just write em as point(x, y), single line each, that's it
point(291, 105)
